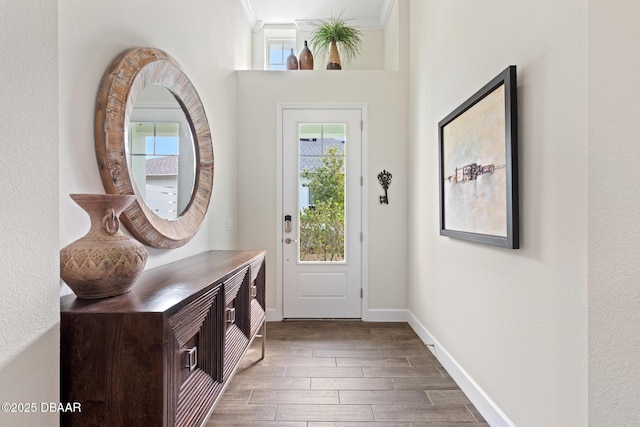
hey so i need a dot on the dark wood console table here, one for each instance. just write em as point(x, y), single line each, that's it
point(162, 354)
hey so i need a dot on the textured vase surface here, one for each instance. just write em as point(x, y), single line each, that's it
point(306, 58)
point(334, 62)
point(292, 61)
point(105, 262)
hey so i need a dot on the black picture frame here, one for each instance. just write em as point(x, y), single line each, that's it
point(478, 153)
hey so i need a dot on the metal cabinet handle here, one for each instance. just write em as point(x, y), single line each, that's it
point(192, 358)
point(231, 315)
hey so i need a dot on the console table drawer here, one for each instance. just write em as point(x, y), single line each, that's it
point(233, 284)
point(237, 320)
point(196, 331)
point(256, 294)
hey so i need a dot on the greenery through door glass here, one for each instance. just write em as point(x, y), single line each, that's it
point(322, 221)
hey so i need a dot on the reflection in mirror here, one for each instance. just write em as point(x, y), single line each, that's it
point(161, 152)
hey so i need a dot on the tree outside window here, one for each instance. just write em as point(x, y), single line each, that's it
point(322, 222)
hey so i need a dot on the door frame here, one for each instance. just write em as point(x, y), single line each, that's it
point(278, 315)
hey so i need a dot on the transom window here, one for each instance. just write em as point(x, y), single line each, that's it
point(277, 52)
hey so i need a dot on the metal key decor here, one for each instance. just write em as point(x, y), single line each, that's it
point(384, 178)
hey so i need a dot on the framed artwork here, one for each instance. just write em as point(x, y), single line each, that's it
point(479, 166)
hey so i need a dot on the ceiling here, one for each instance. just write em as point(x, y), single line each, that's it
point(365, 14)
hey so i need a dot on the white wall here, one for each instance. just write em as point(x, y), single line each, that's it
point(614, 205)
point(209, 39)
point(385, 93)
point(29, 308)
point(514, 320)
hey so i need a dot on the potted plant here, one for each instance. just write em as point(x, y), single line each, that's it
point(336, 37)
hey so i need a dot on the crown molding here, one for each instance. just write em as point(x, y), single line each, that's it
point(306, 25)
point(385, 12)
point(254, 24)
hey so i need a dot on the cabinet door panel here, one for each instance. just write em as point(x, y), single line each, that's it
point(195, 358)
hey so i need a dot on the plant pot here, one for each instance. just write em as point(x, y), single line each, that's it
point(105, 262)
point(334, 57)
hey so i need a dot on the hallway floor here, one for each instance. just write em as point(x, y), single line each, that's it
point(343, 374)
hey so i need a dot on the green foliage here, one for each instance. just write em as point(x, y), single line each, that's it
point(348, 38)
point(326, 183)
point(322, 232)
point(322, 224)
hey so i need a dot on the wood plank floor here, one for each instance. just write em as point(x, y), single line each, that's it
point(343, 374)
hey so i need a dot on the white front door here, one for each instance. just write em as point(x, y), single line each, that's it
point(322, 213)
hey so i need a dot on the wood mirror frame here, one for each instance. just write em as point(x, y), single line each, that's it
point(127, 75)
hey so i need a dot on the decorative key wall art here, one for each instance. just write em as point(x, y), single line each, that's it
point(384, 178)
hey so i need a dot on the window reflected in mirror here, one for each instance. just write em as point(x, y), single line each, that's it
point(154, 165)
point(160, 153)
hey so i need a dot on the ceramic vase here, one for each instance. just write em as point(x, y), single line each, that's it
point(334, 57)
point(105, 262)
point(292, 61)
point(306, 58)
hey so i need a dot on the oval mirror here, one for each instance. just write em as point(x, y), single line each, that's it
point(130, 139)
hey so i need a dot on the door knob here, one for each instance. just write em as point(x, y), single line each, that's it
point(288, 240)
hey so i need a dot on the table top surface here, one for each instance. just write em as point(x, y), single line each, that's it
point(172, 285)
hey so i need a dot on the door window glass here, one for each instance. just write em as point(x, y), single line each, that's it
point(321, 188)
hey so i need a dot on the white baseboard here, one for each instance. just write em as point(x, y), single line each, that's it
point(481, 400)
